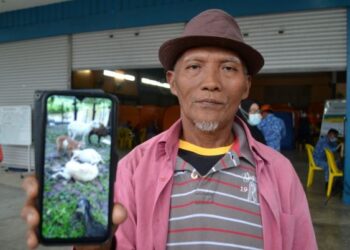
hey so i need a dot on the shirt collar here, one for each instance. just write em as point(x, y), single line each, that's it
point(243, 149)
point(168, 144)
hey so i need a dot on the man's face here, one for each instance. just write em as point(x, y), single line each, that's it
point(209, 83)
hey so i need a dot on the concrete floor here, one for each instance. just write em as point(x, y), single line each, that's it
point(12, 227)
point(331, 221)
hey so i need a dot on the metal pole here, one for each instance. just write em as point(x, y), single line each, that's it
point(346, 191)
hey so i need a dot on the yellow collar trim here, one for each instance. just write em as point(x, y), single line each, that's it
point(203, 151)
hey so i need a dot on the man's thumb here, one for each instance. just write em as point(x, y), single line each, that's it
point(119, 214)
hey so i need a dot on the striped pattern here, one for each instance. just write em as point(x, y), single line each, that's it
point(210, 244)
point(216, 211)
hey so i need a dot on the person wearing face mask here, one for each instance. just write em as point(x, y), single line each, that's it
point(272, 127)
point(329, 141)
point(249, 111)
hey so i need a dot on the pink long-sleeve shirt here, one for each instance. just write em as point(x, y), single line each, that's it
point(144, 185)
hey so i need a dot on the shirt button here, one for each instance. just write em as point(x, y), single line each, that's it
point(194, 175)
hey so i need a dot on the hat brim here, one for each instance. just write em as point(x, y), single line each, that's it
point(171, 50)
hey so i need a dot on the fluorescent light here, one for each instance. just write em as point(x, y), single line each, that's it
point(155, 83)
point(84, 71)
point(119, 76)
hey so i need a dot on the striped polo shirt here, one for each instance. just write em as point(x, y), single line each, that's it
point(219, 209)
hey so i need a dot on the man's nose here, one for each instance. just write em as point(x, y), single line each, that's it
point(211, 80)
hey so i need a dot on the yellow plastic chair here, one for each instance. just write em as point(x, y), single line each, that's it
point(125, 137)
point(334, 171)
point(312, 165)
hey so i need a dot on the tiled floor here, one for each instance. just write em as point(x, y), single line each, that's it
point(331, 220)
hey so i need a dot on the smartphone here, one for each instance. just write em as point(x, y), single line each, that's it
point(75, 165)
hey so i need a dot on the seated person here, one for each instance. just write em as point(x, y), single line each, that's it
point(329, 141)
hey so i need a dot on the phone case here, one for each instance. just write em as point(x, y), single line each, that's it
point(75, 158)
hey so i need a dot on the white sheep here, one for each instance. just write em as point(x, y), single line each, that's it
point(78, 171)
point(77, 128)
point(87, 155)
point(81, 171)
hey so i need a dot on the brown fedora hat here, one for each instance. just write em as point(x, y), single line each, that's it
point(212, 27)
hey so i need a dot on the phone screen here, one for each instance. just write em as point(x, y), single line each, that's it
point(76, 173)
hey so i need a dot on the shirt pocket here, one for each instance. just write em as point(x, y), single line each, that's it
point(287, 230)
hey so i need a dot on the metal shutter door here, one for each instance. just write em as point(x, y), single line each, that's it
point(26, 66)
point(312, 40)
point(123, 48)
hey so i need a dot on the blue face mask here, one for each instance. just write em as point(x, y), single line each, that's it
point(254, 119)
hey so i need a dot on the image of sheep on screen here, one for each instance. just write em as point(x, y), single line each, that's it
point(76, 170)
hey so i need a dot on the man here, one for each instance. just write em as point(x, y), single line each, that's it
point(272, 127)
point(205, 183)
point(329, 141)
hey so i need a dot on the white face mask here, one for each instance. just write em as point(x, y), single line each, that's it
point(333, 139)
point(254, 119)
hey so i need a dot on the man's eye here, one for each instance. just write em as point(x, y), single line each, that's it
point(230, 68)
point(193, 66)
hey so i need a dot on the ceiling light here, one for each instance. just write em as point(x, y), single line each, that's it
point(84, 71)
point(119, 76)
point(155, 83)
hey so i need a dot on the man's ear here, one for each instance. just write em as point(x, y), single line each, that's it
point(248, 83)
point(170, 76)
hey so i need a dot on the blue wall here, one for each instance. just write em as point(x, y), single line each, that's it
point(92, 15)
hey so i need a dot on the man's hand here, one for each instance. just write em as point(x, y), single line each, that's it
point(29, 212)
point(31, 215)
